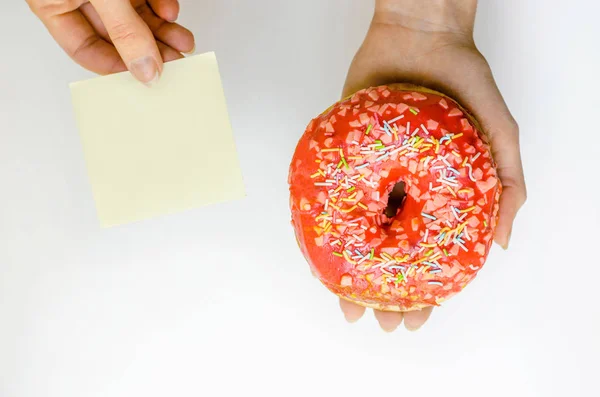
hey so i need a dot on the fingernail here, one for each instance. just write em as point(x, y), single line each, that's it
point(350, 319)
point(192, 51)
point(505, 246)
point(145, 70)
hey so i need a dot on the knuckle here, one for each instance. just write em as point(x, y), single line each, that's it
point(83, 46)
point(122, 32)
point(52, 7)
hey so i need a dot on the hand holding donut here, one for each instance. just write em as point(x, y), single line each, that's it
point(109, 36)
point(430, 43)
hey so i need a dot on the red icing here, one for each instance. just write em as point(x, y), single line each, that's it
point(337, 208)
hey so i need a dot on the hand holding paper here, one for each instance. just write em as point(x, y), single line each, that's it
point(109, 36)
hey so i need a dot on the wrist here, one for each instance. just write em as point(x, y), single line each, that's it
point(445, 16)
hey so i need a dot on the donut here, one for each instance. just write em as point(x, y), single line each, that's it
point(394, 196)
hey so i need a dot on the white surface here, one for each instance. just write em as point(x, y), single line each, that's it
point(218, 301)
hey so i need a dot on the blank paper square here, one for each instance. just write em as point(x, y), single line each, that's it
point(159, 150)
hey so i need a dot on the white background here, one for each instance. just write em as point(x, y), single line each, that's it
point(218, 301)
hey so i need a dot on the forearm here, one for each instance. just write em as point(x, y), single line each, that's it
point(428, 15)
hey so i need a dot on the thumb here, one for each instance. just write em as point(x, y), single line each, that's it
point(132, 38)
point(483, 97)
point(505, 149)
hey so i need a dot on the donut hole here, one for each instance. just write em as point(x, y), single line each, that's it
point(395, 200)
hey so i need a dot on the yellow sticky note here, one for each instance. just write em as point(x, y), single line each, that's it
point(159, 150)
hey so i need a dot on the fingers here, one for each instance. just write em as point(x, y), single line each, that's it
point(504, 138)
point(415, 319)
point(506, 151)
point(94, 19)
point(171, 34)
point(166, 9)
point(388, 321)
point(80, 41)
point(352, 311)
point(168, 54)
point(132, 38)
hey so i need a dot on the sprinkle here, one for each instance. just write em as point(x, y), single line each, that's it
point(468, 209)
point(330, 150)
point(372, 254)
point(345, 162)
point(350, 189)
point(347, 257)
point(456, 154)
point(446, 252)
point(408, 128)
point(415, 132)
point(340, 164)
point(368, 129)
point(467, 234)
point(453, 170)
point(387, 128)
point(457, 136)
point(349, 209)
point(424, 129)
point(316, 174)
point(382, 157)
point(364, 258)
point(392, 121)
point(436, 283)
point(387, 256)
point(485, 223)
point(323, 184)
point(326, 204)
point(464, 162)
point(455, 212)
point(473, 267)
point(475, 157)
point(361, 205)
point(337, 254)
point(426, 235)
point(317, 161)
point(471, 177)
point(447, 182)
point(425, 215)
point(361, 166)
point(445, 161)
point(433, 271)
point(424, 245)
point(451, 191)
point(444, 138)
point(461, 245)
point(413, 111)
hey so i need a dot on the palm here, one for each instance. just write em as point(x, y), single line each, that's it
point(448, 62)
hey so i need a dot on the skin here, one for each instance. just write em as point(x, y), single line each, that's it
point(109, 36)
point(430, 43)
